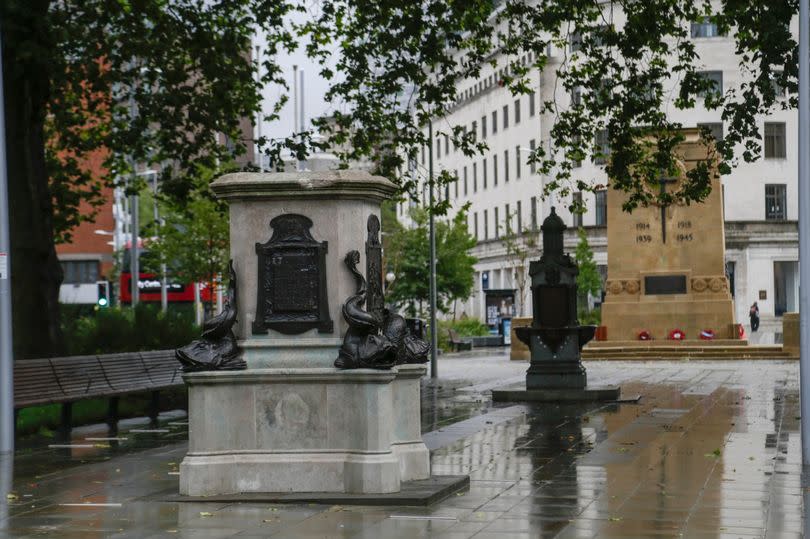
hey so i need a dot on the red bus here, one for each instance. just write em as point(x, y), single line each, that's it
point(149, 285)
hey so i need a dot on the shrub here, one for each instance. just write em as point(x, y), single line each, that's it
point(590, 318)
point(465, 327)
point(116, 330)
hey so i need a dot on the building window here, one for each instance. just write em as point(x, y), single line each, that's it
point(576, 96)
point(533, 210)
point(575, 41)
point(602, 147)
point(486, 225)
point(778, 89)
point(507, 219)
point(519, 217)
point(505, 116)
point(423, 155)
point(531, 104)
point(475, 224)
point(601, 208)
point(715, 129)
point(517, 162)
point(483, 127)
point(447, 192)
point(494, 121)
point(474, 130)
point(716, 80)
point(475, 177)
point(775, 140)
point(506, 166)
point(446, 145)
point(484, 171)
point(775, 201)
point(438, 148)
point(517, 111)
point(465, 181)
point(495, 170)
point(576, 202)
point(455, 182)
point(532, 147)
point(80, 271)
point(497, 225)
point(705, 28)
point(576, 153)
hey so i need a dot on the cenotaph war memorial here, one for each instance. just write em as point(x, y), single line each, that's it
point(666, 271)
point(306, 384)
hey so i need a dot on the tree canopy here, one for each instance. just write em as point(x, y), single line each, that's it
point(93, 89)
point(165, 84)
point(629, 63)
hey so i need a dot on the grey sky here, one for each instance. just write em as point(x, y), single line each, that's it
point(314, 90)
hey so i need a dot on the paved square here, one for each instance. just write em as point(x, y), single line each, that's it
point(711, 449)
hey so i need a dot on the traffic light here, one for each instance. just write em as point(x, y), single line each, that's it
point(103, 293)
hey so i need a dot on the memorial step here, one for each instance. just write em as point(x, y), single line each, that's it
point(679, 352)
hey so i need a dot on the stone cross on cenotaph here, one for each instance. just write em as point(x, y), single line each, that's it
point(675, 280)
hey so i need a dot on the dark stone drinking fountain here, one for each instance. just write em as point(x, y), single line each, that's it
point(555, 336)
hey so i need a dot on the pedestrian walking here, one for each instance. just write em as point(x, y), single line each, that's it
point(753, 314)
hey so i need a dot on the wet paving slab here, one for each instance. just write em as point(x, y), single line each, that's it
point(712, 449)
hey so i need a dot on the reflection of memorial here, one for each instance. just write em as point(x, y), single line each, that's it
point(666, 264)
point(290, 421)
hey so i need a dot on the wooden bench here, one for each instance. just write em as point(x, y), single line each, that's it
point(65, 380)
point(457, 342)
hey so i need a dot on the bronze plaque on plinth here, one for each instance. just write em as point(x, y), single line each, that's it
point(292, 279)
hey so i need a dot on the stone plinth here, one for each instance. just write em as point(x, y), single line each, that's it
point(666, 267)
point(291, 422)
point(338, 203)
point(303, 430)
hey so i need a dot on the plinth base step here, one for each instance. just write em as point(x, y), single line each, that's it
point(422, 492)
point(520, 393)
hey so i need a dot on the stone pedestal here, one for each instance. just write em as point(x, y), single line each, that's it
point(291, 422)
point(303, 430)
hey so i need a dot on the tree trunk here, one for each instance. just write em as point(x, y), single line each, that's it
point(35, 270)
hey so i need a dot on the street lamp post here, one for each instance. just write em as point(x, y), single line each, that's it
point(804, 226)
point(6, 351)
point(434, 334)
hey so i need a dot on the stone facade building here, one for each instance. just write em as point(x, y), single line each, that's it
point(759, 199)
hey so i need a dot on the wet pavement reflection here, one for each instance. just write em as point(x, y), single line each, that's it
point(712, 449)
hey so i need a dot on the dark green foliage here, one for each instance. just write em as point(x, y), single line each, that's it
point(194, 241)
point(591, 317)
point(161, 84)
point(408, 257)
point(128, 330)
